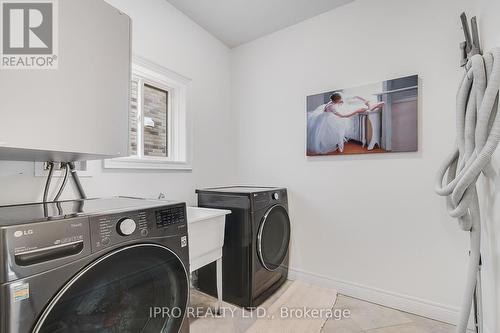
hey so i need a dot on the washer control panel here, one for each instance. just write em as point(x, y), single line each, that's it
point(126, 226)
point(168, 217)
point(113, 229)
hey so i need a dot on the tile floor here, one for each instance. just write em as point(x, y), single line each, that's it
point(365, 318)
point(372, 318)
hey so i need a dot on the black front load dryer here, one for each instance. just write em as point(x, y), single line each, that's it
point(257, 236)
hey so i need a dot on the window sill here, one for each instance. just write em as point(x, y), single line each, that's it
point(146, 164)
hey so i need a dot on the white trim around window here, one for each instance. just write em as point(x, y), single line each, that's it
point(179, 131)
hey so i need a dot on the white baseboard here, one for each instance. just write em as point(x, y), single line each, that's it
point(421, 307)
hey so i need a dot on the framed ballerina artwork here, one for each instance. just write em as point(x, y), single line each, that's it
point(375, 118)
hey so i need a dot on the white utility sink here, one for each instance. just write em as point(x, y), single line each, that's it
point(206, 235)
point(206, 238)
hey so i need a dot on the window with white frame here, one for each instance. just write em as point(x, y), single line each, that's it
point(158, 129)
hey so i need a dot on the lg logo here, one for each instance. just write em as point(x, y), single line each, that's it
point(20, 233)
point(29, 33)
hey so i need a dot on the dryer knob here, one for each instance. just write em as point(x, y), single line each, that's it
point(276, 196)
point(126, 227)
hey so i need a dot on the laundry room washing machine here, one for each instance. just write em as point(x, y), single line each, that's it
point(256, 241)
point(98, 265)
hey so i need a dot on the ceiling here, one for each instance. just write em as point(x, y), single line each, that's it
point(236, 22)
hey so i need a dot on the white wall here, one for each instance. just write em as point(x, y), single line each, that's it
point(487, 12)
point(369, 225)
point(489, 190)
point(163, 35)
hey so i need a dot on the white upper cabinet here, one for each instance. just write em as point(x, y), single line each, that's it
point(79, 110)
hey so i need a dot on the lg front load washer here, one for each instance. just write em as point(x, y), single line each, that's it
point(98, 265)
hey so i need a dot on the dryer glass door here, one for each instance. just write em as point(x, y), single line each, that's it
point(122, 292)
point(273, 237)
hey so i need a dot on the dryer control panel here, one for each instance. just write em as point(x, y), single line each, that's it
point(112, 229)
point(262, 200)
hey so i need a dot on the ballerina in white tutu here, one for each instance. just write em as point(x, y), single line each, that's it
point(326, 126)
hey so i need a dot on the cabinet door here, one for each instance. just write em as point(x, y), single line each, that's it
point(80, 109)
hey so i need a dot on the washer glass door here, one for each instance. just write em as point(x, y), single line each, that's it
point(119, 292)
point(273, 237)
